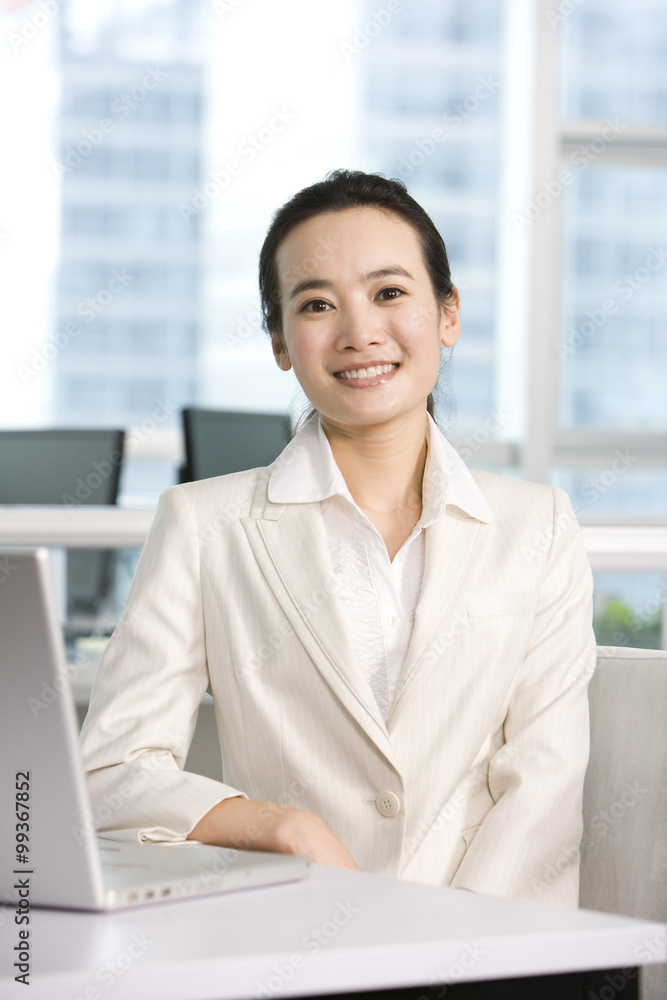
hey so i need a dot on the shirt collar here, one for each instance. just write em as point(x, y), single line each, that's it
point(306, 472)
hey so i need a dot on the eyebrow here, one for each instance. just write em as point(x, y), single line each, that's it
point(381, 272)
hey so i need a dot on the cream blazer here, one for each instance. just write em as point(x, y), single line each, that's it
point(476, 778)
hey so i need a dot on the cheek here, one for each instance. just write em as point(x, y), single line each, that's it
point(305, 355)
point(419, 325)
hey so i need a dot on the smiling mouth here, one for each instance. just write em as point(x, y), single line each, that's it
point(369, 372)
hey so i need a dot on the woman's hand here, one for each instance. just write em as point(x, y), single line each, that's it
point(247, 824)
point(304, 833)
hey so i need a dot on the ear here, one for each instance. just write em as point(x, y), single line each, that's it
point(280, 352)
point(450, 319)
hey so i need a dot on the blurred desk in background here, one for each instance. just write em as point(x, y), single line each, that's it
point(617, 543)
point(80, 528)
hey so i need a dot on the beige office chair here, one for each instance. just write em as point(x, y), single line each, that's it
point(624, 848)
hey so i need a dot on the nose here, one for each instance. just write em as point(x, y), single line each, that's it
point(359, 327)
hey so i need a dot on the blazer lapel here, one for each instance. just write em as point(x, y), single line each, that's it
point(289, 543)
point(455, 548)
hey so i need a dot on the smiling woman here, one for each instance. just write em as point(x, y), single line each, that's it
point(405, 642)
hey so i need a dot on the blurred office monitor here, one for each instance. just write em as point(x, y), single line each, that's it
point(60, 466)
point(71, 467)
point(218, 442)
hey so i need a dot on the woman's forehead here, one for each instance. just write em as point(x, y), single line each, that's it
point(362, 239)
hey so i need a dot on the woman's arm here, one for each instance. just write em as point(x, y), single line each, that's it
point(147, 692)
point(265, 826)
point(528, 844)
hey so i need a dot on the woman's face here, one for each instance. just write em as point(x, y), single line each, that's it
point(355, 294)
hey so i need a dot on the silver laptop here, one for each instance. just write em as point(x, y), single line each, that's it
point(51, 854)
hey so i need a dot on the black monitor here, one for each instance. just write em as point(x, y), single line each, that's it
point(60, 466)
point(221, 441)
point(68, 467)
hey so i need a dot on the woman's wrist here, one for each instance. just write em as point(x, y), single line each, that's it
point(265, 826)
point(243, 824)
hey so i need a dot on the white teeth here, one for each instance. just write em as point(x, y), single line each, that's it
point(368, 372)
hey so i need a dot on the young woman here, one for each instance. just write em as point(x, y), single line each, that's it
point(398, 648)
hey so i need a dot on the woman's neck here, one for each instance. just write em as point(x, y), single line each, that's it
point(383, 464)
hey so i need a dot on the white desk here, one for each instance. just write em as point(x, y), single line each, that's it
point(610, 546)
point(376, 933)
point(93, 526)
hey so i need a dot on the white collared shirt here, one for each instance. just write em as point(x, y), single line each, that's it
point(379, 597)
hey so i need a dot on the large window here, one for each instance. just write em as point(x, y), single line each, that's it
point(605, 438)
point(164, 133)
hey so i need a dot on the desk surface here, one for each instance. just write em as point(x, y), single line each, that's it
point(338, 930)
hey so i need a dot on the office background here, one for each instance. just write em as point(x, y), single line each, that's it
point(147, 143)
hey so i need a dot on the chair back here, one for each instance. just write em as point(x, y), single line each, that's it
point(624, 847)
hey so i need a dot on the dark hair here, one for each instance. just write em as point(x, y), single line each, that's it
point(341, 190)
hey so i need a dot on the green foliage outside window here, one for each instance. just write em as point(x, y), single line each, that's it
point(619, 625)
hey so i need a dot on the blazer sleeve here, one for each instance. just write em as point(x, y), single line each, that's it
point(528, 844)
point(147, 692)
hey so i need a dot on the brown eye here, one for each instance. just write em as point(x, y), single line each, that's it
point(315, 303)
point(391, 293)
